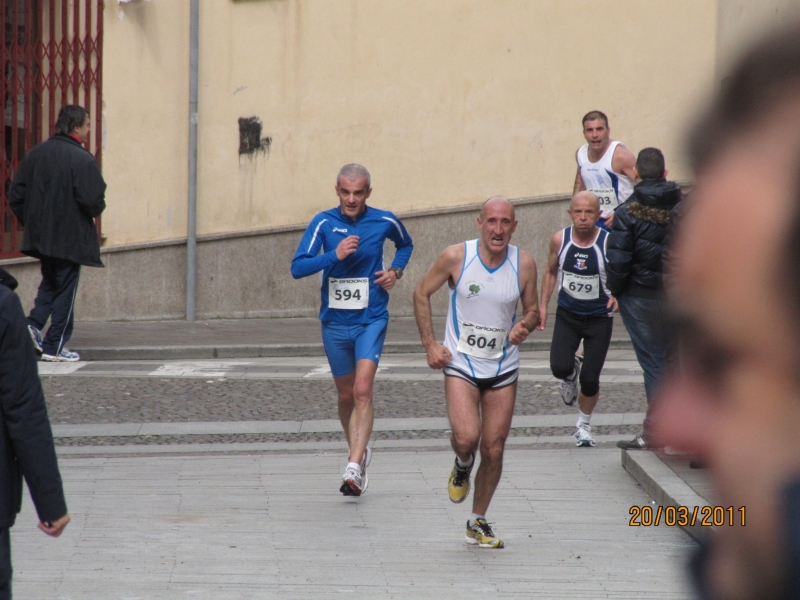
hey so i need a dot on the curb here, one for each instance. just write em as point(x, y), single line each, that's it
point(195, 352)
point(210, 448)
point(664, 486)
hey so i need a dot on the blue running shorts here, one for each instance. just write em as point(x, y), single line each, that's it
point(345, 345)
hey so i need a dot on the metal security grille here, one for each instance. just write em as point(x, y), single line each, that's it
point(51, 54)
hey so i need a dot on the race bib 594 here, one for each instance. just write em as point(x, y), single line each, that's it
point(348, 294)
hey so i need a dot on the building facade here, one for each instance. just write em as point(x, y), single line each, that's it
point(446, 103)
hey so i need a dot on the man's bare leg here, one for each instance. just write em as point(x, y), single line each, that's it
point(463, 399)
point(344, 387)
point(356, 411)
point(497, 409)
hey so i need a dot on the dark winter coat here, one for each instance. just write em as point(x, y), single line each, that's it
point(56, 193)
point(26, 440)
point(636, 243)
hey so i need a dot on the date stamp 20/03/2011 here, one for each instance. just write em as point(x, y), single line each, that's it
point(682, 516)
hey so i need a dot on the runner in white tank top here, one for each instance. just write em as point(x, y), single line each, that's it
point(605, 167)
point(487, 277)
point(481, 312)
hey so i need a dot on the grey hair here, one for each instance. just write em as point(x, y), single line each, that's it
point(352, 172)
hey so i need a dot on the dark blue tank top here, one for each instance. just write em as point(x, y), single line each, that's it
point(582, 276)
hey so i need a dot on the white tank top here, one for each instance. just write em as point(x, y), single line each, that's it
point(482, 311)
point(598, 177)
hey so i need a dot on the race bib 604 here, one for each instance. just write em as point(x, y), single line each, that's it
point(481, 341)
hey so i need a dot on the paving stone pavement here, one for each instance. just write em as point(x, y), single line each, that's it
point(120, 399)
point(294, 400)
point(273, 526)
point(219, 478)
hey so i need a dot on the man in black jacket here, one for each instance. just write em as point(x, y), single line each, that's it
point(56, 194)
point(635, 271)
point(26, 441)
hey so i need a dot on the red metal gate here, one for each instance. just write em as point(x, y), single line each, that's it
point(51, 54)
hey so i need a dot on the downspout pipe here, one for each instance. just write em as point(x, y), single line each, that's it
point(191, 230)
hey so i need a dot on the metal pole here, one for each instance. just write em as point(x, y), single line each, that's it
point(191, 235)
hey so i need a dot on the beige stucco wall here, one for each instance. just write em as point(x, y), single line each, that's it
point(446, 102)
point(145, 120)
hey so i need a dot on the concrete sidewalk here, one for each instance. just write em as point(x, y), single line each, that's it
point(274, 526)
point(249, 338)
point(670, 481)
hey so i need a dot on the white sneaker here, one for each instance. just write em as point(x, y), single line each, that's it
point(65, 355)
point(353, 481)
point(583, 436)
point(569, 387)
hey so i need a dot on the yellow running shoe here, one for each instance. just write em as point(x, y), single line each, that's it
point(458, 484)
point(480, 534)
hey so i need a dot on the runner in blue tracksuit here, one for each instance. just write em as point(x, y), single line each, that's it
point(346, 244)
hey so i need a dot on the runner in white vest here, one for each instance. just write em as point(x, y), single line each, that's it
point(605, 167)
point(487, 277)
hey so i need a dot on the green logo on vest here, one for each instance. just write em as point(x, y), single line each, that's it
point(474, 290)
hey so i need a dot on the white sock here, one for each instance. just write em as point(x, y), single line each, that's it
point(473, 517)
point(469, 464)
point(583, 419)
point(356, 466)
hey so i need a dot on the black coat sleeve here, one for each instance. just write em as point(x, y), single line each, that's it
point(619, 252)
point(24, 412)
point(90, 189)
point(17, 190)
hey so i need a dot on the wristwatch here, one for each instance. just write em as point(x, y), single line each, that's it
point(397, 271)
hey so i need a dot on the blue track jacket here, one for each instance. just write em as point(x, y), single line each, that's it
point(324, 233)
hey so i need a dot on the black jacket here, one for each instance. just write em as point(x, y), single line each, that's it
point(636, 243)
point(56, 192)
point(26, 440)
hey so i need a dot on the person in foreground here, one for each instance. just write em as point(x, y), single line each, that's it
point(734, 400)
point(26, 440)
point(480, 356)
point(346, 244)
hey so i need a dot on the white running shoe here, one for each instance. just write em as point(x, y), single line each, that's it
point(66, 355)
point(353, 481)
point(583, 436)
point(347, 488)
point(569, 387)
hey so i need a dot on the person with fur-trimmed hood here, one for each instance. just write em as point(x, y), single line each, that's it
point(635, 272)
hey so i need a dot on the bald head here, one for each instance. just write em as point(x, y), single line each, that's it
point(589, 199)
point(497, 201)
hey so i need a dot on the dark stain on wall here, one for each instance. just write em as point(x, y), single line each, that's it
point(250, 140)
